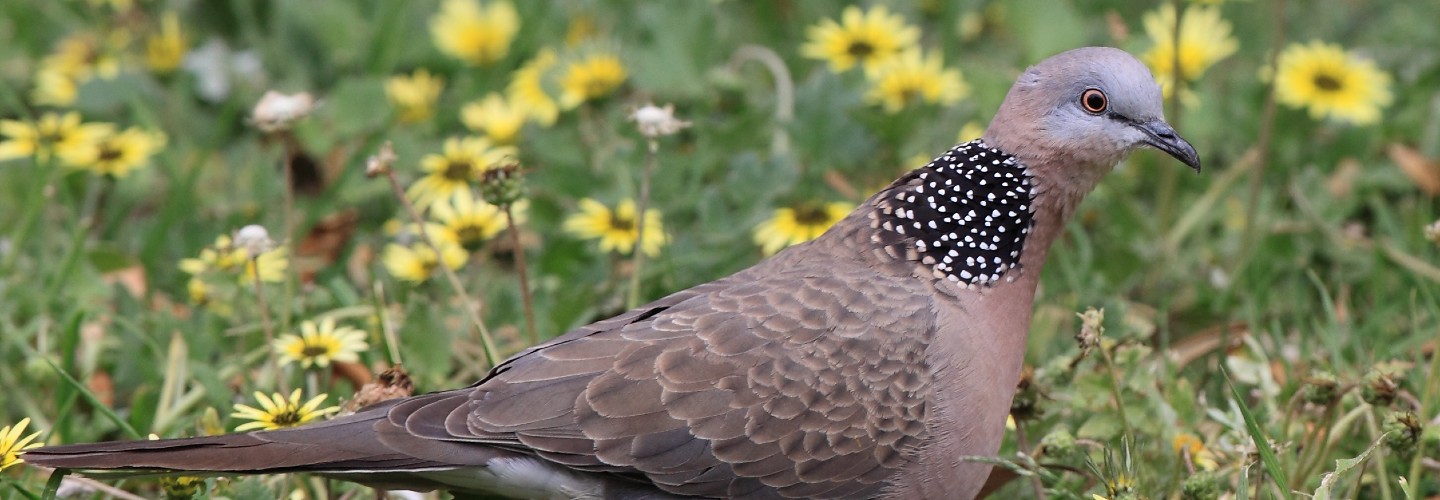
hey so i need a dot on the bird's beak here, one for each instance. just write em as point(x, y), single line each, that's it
point(1160, 135)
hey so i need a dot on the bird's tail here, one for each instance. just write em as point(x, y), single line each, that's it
point(343, 446)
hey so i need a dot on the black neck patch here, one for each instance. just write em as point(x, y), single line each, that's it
point(965, 214)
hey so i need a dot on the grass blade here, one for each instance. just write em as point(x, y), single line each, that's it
point(94, 401)
point(1262, 442)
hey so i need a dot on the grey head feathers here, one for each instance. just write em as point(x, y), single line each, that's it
point(1087, 108)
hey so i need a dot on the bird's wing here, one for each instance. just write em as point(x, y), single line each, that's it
point(810, 380)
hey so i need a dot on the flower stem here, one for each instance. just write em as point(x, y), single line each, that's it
point(1024, 445)
point(1267, 131)
point(1115, 390)
point(392, 343)
point(784, 91)
point(288, 212)
point(641, 205)
point(1170, 177)
point(39, 193)
point(272, 363)
point(1427, 408)
point(520, 269)
point(487, 342)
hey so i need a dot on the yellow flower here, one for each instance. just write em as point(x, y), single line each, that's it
point(414, 96)
point(164, 51)
point(527, 88)
point(12, 445)
point(864, 38)
point(54, 88)
point(1202, 457)
point(180, 487)
point(417, 262)
point(969, 132)
point(1331, 83)
point(499, 118)
point(616, 230)
point(116, 154)
point(318, 345)
point(278, 412)
point(798, 224)
point(462, 161)
point(82, 56)
point(469, 221)
point(474, 33)
point(590, 76)
point(913, 77)
point(580, 29)
point(1205, 39)
point(225, 257)
point(53, 132)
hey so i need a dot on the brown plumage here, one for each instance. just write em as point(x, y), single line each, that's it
point(863, 364)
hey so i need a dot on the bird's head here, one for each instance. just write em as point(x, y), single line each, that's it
point(1087, 108)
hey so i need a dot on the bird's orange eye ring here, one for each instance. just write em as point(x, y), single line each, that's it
point(1094, 101)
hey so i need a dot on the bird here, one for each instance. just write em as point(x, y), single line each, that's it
point(866, 363)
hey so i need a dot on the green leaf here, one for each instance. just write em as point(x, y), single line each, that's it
point(1262, 442)
point(1327, 482)
point(53, 485)
point(1100, 427)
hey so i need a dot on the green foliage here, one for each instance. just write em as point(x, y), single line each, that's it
point(1300, 264)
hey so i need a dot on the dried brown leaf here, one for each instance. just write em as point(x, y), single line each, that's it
point(1421, 169)
point(132, 279)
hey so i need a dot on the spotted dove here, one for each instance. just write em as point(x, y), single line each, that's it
point(863, 364)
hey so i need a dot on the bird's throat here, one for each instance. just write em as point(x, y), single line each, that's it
point(966, 215)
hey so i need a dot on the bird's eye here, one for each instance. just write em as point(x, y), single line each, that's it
point(1094, 101)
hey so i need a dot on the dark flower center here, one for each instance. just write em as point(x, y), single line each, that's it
point(860, 49)
point(1327, 82)
point(288, 417)
point(619, 223)
point(311, 351)
point(596, 87)
point(470, 236)
point(459, 170)
point(110, 153)
point(810, 214)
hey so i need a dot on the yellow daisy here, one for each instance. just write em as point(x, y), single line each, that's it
point(912, 78)
point(180, 487)
point(798, 224)
point(1203, 458)
point(82, 56)
point(527, 88)
point(616, 229)
point(1205, 39)
point(52, 132)
point(318, 345)
point(1332, 83)
point(593, 75)
point(499, 118)
point(12, 445)
point(416, 262)
point(462, 161)
point(475, 33)
point(165, 50)
point(414, 96)
point(54, 88)
point(278, 412)
point(115, 154)
point(864, 38)
point(225, 257)
point(470, 221)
